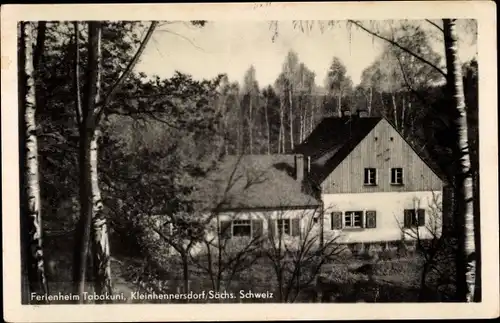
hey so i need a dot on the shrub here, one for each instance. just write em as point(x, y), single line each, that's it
point(387, 254)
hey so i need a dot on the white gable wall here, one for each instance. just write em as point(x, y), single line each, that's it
point(390, 208)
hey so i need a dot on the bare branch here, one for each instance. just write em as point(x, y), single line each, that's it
point(128, 69)
point(407, 82)
point(183, 37)
point(434, 24)
point(394, 43)
point(76, 76)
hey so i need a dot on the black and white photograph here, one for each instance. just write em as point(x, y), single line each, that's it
point(250, 159)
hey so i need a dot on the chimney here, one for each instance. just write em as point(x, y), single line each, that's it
point(299, 168)
point(362, 113)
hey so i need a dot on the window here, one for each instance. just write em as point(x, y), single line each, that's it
point(242, 228)
point(370, 176)
point(414, 218)
point(353, 219)
point(283, 226)
point(396, 176)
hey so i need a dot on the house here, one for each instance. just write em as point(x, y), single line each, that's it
point(263, 195)
point(374, 185)
point(354, 179)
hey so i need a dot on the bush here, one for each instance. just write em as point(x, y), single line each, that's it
point(388, 254)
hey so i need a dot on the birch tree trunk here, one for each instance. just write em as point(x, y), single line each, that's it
point(239, 131)
point(311, 122)
point(403, 115)
point(394, 110)
point(32, 215)
point(339, 108)
point(290, 102)
point(100, 238)
point(301, 120)
point(466, 262)
point(370, 102)
point(92, 221)
point(281, 134)
point(268, 130)
point(250, 124)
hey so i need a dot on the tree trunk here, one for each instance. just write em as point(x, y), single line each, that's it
point(281, 135)
point(238, 137)
point(403, 115)
point(301, 120)
point(290, 102)
point(339, 106)
point(370, 102)
point(100, 240)
point(32, 215)
point(268, 130)
point(423, 292)
point(250, 124)
point(311, 122)
point(185, 271)
point(92, 220)
point(395, 110)
point(466, 262)
point(76, 76)
point(225, 130)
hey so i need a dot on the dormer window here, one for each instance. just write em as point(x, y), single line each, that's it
point(397, 176)
point(370, 176)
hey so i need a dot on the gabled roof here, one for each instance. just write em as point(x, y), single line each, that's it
point(258, 182)
point(335, 138)
point(332, 141)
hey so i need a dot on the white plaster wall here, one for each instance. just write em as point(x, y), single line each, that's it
point(390, 208)
point(306, 225)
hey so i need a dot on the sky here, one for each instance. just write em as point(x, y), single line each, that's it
point(232, 46)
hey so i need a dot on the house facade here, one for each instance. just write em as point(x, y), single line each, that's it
point(374, 185)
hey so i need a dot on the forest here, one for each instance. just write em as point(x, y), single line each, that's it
point(105, 147)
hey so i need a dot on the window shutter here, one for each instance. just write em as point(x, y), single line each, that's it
point(225, 229)
point(295, 227)
point(271, 228)
point(336, 220)
point(421, 217)
point(362, 220)
point(257, 228)
point(371, 219)
point(407, 219)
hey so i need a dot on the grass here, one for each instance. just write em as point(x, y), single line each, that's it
point(395, 280)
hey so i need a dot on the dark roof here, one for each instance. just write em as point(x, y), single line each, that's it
point(335, 138)
point(258, 182)
point(332, 141)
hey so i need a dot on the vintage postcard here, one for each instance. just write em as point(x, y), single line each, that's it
point(249, 161)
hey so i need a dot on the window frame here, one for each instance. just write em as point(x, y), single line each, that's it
point(352, 219)
point(233, 224)
point(394, 177)
point(283, 224)
point(415, 223)
point(366, 175)
point(414, 218)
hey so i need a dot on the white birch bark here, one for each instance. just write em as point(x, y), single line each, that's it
point(36, 265)
point(467, 261)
